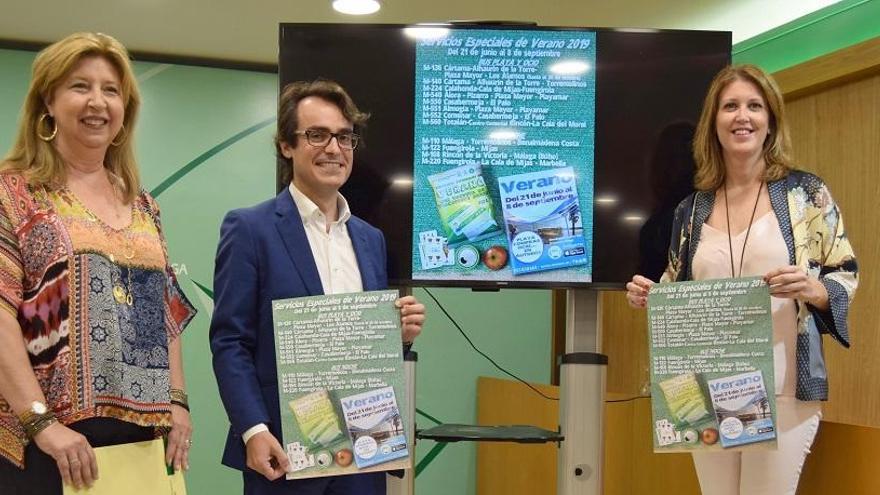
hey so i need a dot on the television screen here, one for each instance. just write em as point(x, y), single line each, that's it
point(516, 156)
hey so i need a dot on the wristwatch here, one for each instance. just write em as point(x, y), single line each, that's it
point(36, 419)
point(37, 409)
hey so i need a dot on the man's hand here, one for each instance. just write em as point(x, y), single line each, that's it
point(265, 456)
point(72, 452)
point(412, 317)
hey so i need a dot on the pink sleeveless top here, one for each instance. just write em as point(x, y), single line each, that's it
point(765, 251)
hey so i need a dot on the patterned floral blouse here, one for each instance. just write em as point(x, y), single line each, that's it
point(97, 307)
point(813, 231)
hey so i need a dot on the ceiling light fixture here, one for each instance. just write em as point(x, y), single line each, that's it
point(426, 32)
point(356, 7)
point(402, 181)
point(633, 218)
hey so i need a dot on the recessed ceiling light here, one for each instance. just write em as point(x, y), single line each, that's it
point(356, 7)
point(606, 199)
point(426, 32)
point(402, 181)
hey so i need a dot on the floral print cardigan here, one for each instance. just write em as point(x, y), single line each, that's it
point(813, 231)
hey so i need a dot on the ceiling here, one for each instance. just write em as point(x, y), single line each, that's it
point(247, 31)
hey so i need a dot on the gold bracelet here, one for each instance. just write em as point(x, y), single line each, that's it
point(179, 397)
point(35, 426)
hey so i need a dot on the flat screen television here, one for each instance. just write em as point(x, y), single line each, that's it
point(516, 155)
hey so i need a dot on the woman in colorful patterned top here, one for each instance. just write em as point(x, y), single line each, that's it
point(754, 215)
point(90, 311)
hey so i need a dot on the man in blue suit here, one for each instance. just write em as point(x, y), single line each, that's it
point(303, 242)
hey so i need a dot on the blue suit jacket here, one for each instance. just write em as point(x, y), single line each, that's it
point(263, 255)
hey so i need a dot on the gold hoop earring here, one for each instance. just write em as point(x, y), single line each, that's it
point(121, 132)
point(54, 127)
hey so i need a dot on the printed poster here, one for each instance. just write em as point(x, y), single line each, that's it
point(711, 365)
point(542, 218)
point(341, 384)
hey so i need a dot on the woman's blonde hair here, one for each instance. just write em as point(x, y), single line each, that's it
point(39, 161)
point(708, 154)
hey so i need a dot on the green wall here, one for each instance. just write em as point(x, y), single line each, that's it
point(838, 26)
point(204, 144)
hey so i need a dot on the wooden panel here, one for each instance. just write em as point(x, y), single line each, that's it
point(631, 468)
point(618, 448)
point(512, 468)
point(656, 473)
point(829, 70)
point(833, 106)
point(625, 341)
point(557, 347)
point(844, 458)
point(836, 134)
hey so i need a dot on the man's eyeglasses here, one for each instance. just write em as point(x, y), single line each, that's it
point(321, 137)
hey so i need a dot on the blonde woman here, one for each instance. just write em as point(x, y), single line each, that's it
point(90, 311)
point(754, 215)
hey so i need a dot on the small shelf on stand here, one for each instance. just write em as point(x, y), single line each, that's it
point(474, 433)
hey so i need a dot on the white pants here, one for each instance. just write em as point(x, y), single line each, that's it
point(764, 472)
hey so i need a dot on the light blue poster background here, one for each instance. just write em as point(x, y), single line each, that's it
point(500, 99)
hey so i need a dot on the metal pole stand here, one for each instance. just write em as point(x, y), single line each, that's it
point(407, 484)
point(582, 397)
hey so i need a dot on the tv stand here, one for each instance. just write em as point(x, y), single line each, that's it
point(581, 407)
point(582, 396)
